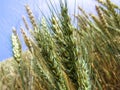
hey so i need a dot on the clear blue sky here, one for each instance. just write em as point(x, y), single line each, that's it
point(11, 12)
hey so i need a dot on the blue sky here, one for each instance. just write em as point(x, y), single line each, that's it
point(11, 12)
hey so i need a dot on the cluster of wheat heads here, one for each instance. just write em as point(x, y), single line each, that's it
point(62, 56)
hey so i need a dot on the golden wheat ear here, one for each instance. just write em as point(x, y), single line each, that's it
point(25, 22)
point(31, 16)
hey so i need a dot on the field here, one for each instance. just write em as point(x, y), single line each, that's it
point(66, 55)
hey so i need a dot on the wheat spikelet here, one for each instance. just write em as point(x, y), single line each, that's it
point(112, 10)
point(104, 22)
point(27, 41)
point(25, 22)
point(16, 46)
point(101, 17)
point(83, 12)
point(30, 14)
